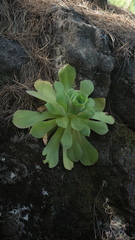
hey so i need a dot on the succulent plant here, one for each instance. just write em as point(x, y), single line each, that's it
point(68, 117)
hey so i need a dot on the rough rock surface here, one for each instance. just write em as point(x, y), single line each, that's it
point(38, 203)
point(85, 47)
point(123, 99)
point(55, 203)
point(12, 55)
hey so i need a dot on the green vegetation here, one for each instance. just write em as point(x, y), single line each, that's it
point(68, 118)
point(126, 4)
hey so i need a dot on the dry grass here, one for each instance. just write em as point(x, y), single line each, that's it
point(30, 22)
point(107, 224)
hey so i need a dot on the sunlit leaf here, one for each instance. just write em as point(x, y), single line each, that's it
point(40, 128)
point(103, 117)
point(67, 116)
point(85, 131)
point(66, 139)
point(25, 118)
point(53, 108)
point(62, 111)
point(86, 86)
point(98, 127)
point(58, 87)
point(51, 151)
point(91, 102)
point(37, 95)
point(99, 104)
point(45, 88)
point(88, 113)
point(67, 75)
point(75, 151)
point(61, 100)
point(68, 164)
point(62, 122)
point(77, 124)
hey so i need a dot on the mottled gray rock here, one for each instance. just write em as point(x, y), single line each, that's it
point(85, 47)
point(12, 55)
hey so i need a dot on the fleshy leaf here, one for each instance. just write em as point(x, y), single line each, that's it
point(80, 102)
point(39, 129)
point(37, 95)
point(91, 102)
point(25, 118)
point(45, 88)
point(53, 108)
point(69, 115)
point(90, 154)
point(58, 87)
point(87, 87)
point(77, 124)
point(85, 131)
point(99, 104)
point(75, 152)
point(52, 149)
point(98, 127)
point(103, 117)
point(66, 139)
point(68, 164)
point(62, 122)
point(88, 113)
point(67, 75)
point(62, 111)
point(61, 100)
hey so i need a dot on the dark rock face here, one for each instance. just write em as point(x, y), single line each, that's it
point(38, 203)
point(43, 203)
point(123, 101)
point(12, 55)
point(85, 47)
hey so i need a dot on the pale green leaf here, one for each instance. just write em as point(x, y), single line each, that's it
point(62, 122)
point(86, 86)
point(99, 104)
point(90, 154)
point(70, 115)
point(77, 124)
point(66, 139)
point(62, 111)
point(45, 88)
point(39, 129)
point(67, 75)
point(103, 117)
point(86, 114)
point(58, 87)
point(25, 118)
point(61, 100)
point(85, 131)
point(68, 164)
point(91, 102)
point(37, 95)
point(51, 151)
point(53, 108)
point(98, 127)
point(75, 152)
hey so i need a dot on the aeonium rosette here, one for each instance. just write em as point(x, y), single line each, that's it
point(68, 119)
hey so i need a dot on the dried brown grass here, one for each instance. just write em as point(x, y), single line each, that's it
point(30, 22)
